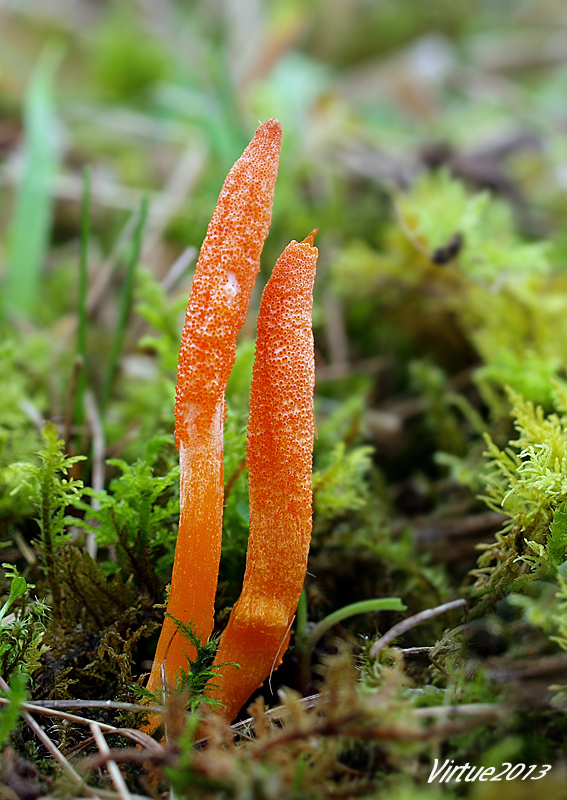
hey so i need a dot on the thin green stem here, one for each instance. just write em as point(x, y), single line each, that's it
point(47, 539)
point(82, 301)
point(364, 607)
point(126, 301)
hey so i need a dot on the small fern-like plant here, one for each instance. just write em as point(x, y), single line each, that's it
point(200, 673)
point(138, 514)
point(55, 491)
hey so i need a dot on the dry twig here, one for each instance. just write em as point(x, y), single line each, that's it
point(411, 622)
point(112, 767)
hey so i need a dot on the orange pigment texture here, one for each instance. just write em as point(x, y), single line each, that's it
point(228, 263)
point(279, 455)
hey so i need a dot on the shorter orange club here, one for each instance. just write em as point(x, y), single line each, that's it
point(279, 451)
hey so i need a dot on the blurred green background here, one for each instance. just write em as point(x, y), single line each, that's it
point(427, 142)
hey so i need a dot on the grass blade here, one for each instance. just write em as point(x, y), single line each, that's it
point(29, 228)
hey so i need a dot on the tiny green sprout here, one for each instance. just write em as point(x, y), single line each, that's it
point(200, 670)
point(18, 588)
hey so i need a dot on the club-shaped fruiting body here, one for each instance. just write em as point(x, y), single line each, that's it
point(279, 444)
point(228, 263)
point(279, 454)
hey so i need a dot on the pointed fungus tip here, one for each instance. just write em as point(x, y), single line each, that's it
point(272, 123)
point(271, 127)
point(311, 238)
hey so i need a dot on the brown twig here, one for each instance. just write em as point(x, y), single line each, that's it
point(111, 765)
point(411, 622)
point(114, 704)
point(45, 740)
point(470, 525)
point(355, 724)
point(130, 733)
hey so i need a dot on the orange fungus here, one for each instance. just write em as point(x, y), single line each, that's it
point(279, 455)
point(228, 263)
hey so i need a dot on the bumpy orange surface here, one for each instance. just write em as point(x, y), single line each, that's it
point(228, 263)
point(279, 455)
